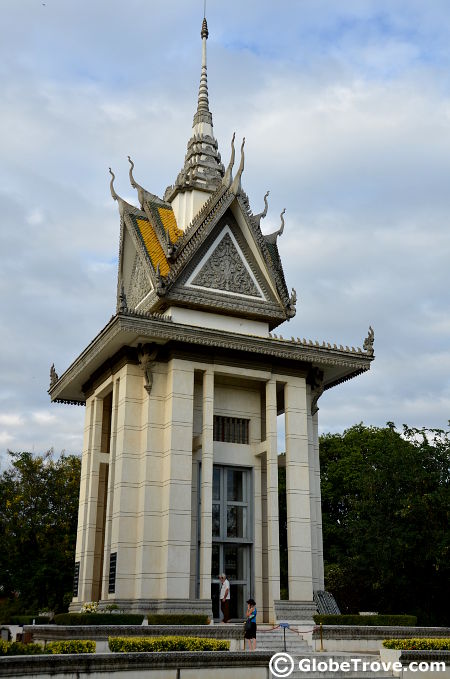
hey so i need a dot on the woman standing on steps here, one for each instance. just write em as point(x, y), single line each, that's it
point(250, 625)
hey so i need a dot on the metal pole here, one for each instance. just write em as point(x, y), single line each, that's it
point(321, 637)
point(284, 638)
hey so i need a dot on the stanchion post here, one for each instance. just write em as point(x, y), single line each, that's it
point(284, 625)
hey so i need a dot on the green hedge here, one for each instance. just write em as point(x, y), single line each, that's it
point(418, 644)
point(28, 619)
point(391, 620)
point(98, 619)
point(18, 648)
point(165, 644)
point(72, 646)
point(177, 619)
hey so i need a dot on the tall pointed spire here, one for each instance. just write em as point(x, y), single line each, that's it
point(203, 114)
point(203, 169)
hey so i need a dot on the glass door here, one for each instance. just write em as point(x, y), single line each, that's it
point(232, 537)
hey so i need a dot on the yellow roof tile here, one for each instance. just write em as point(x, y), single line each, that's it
point(153, 246)
point(170, 223)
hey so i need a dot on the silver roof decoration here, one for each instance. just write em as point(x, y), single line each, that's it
point(203, 169)
point(111, 185)
point(53, 376)
point(236, 186)
point(228, 178)
point(257, 218)
point(203, 114)
point(272, 237)
point(369, 341)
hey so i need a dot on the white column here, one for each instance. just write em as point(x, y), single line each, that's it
point(206, 485)
point(83, 500)
point(273, 546)
point(258, 537)
point(88, 499)
point(298, 492)
point(318, 498)
point(127, 479)
point(177, 480)
point(313, 492)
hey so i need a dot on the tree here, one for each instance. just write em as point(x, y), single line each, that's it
point(386, 507)
point(38, 522)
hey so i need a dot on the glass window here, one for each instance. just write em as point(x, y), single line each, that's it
point(216, 521)
point(216, 483)
point(236, 521)
point(215, 561)
point(235, 562)
point(235, 485)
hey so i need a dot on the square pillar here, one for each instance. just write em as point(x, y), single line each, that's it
point(319, 570)
point(89, 493)
point(298, 492)
point(127, 479)
point(206, 485)
point(177, 481)
point(273, 547)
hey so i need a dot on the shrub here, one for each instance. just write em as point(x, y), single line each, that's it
point(165, 644)
point(391, 620)
point(18, 648)
point(28, 620)
point(98, 619)
point(177, 619)
point(418, 644)
point(72, 646)
point(90, 607)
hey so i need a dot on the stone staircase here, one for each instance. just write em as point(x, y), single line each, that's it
point(298, 648)
point(272, 640)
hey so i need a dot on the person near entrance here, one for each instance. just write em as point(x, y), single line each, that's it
point(250, 624)
point(225, 597)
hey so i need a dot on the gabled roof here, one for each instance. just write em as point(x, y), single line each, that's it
point(170, 253)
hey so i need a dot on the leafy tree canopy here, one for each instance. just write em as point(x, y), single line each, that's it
point(386, 510)
point(38, 522)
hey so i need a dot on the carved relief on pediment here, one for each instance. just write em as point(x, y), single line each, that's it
point(226, 271)
point(139, 285)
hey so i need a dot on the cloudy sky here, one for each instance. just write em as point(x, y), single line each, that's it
point(345, 105)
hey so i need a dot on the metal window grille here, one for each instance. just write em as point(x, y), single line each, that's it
point(230, 429)
point(76, 578)
point(112, 573)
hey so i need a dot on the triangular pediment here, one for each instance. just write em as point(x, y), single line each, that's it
point(225, 269)
point(222, 263)
point(227, 273)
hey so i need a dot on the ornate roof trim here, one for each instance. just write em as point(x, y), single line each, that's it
point(271, 258)
point(162, 328)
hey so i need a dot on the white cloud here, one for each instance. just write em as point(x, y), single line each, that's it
point(5, 438)
point(43, 417)
point(11, 420)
